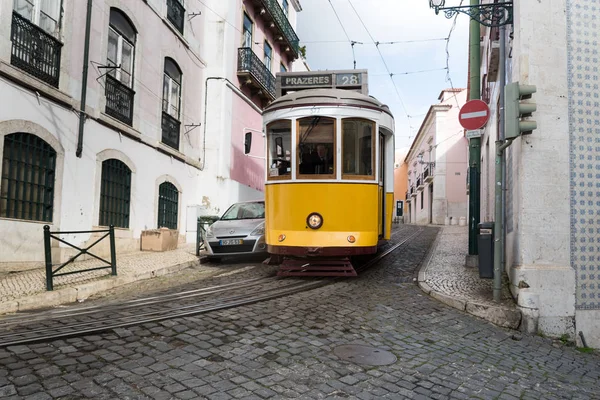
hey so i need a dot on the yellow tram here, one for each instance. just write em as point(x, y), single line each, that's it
point(329, 180)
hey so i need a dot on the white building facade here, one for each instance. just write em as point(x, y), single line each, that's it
point(437, 165)
point(552, 208)
point(154, 142)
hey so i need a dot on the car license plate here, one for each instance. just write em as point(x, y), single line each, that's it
point(229, 242)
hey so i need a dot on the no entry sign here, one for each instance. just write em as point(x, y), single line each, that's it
point(474, 114)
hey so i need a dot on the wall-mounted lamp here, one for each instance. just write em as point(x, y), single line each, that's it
point(493, 15)
point(420, 157)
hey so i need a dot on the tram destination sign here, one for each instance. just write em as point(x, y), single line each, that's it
point(355, 79)
point(308, 80)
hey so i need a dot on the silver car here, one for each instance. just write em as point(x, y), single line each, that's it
point(240, 231)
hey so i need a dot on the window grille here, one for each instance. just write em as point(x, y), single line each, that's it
point(28, 172)
point(168, 198)
point(34, 50)
point(115, 194)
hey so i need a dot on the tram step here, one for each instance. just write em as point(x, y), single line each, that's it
point(316, 268)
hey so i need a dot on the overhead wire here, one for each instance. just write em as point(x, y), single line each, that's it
point(448, 78)
point(385, 64)
point(352, 43)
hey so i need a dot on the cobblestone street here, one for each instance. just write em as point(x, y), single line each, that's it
point(291, 347)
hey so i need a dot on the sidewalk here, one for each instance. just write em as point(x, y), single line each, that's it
point(445, 277)
point(27, 290)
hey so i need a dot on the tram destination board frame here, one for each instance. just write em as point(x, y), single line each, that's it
point(348, 79)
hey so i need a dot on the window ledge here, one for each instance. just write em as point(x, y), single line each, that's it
point(171, 151)
point(120, 233)
point(32, 83)
point(119, 126)
point(27, 221)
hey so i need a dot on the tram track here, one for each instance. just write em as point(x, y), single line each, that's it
point(64, 323)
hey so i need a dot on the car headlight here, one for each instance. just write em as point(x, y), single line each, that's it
point(314, 220)
point(209, 232)
point(259, 230)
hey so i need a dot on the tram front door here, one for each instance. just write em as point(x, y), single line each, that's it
point(381, 203)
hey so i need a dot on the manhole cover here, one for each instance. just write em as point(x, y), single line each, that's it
point(367, 355)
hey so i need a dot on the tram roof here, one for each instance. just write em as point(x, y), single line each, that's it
point(325, 97)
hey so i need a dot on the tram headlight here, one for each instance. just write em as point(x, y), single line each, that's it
point(314, 220)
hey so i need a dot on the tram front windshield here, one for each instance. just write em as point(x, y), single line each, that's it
point(317, 148)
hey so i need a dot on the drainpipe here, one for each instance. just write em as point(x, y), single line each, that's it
point(475, 143)
point(500, 187)
point(86, 54)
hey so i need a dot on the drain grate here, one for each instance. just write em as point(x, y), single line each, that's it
point(366, 355)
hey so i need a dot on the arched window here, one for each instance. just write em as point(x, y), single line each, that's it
point(119, 81)
point(171, 103)
point(121, 46)
point(115, 194)
point(168, 202)
point(28, 173)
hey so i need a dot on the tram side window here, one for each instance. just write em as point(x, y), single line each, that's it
point(316, 146)
point(279, 142)
point(357, 145)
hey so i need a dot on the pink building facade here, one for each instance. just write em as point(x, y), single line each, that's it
point(437, 165)
point(267, 45)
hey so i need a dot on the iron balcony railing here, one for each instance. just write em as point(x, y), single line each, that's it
point(170, 131)
point(249, 62)
point(278, 15)
point(119, 100)
point(426, 173)
point(35, 51)
point(176, 14)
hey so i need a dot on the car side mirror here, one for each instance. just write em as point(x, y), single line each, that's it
point(247, 142)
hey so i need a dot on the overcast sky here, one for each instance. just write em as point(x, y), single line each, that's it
point(389, 21)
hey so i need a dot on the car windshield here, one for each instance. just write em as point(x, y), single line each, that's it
point(245, 211)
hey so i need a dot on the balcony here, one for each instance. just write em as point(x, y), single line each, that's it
point(275, 18)
point(428, 174)
point(119, 100)
point(408, 198)
point(258, 78)
point(176, 14)
point(420, 184)
point(35, 51)
point(170, 131)
point(413, 192)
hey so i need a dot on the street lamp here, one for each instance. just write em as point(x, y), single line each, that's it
point(420, 156)
point(492, 15)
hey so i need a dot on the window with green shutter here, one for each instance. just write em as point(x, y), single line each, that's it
point(168, 201)
point(115, 194)
point(28, 173)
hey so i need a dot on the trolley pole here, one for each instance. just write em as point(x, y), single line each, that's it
point(474, 143)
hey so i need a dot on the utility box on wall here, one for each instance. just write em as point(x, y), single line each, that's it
point(162, 239)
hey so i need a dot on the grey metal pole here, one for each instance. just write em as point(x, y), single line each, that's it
point(500, 186)
point(502, 72)
point(48, 257)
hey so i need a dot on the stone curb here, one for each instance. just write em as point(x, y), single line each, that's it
point(85, 290)
point(497, 315)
